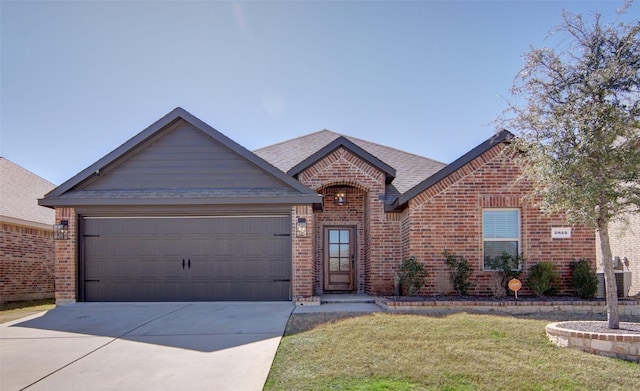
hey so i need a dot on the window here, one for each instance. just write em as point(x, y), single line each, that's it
point(500, 233)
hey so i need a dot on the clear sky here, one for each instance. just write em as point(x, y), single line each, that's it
point(80, 78)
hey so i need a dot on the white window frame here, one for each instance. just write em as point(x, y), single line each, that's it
point(517, 239)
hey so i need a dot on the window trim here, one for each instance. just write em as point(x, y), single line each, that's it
point(517, 239)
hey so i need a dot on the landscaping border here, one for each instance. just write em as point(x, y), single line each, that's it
point(512, 306)
point(618, 345)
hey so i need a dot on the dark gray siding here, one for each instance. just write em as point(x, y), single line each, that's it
point(186, 258)
point(183, 157)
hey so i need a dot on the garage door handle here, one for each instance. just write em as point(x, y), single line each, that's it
point(189, 263)
point(182, 263)
point(281, 280)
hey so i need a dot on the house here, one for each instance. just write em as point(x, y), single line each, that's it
point(26, 237)
point(624, 236)
point(182, 212)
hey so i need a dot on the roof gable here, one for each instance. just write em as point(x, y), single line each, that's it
point(498, 138)
point(179, 156)
point(410, 169)
point(390, 172)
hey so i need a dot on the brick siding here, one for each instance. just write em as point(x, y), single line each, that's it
point(66, 261)
point(303, 268)
point(378, 242)
point(448, 216)
point(27, 256)
point(624, 236)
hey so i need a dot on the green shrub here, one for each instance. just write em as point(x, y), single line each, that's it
point(543, 278)
point(412, 276)
point(459, 272)
point(507, 267)
point(584, 279)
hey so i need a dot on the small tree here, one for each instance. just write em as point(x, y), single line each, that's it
point(584, 279)
point(579, 128)
point(412, 276)
point(543, 278)
point(459, 271)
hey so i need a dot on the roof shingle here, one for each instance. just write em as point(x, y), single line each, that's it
point(410, 169)
point(19, 193)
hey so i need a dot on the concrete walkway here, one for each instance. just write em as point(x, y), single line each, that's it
point(343, 302)
point(143, 346)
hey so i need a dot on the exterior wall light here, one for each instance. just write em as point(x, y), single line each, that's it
point(340, 197)
point(301, 227)
point(61, 230)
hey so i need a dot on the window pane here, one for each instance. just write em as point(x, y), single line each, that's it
point(334, 236)
point(344, 236)
point(344, 250)
point(493, 249)
point(334, 250)
point(344, 264)
point(500, 224)
point(334, 264)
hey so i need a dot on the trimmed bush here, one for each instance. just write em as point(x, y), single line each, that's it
point(507, 267)
point(459, 272)
point(584, 279)
point(412, 276)
point(543, 278)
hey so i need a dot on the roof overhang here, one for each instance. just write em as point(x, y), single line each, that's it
point(390, 172)
point(401, 202)
point(62, 195)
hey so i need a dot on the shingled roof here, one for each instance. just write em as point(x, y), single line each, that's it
point(410, 169)
point(19, 193)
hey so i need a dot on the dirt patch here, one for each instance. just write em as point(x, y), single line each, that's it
point(299, 323)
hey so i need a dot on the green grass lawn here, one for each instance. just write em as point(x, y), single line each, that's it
point(17, 310)
point(456, 352)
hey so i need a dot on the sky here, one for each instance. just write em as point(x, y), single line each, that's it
point(78, 79)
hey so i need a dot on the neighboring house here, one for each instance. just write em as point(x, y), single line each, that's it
point(26, 238)
point(181, 212)
point(624, 236)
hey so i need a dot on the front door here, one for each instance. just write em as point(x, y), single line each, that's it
point(339, 258)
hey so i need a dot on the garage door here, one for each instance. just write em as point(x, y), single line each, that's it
point(186, 258)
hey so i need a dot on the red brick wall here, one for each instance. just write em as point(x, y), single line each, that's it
point(350, 214)
point(379, 241)
point(66, 259)
point(448, 216)
point(27, 263)
point(303, 268)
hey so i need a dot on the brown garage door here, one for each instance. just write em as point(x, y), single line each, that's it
point(186, 258)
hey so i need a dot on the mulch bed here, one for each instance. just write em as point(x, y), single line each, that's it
point(601, 327)
point(506, 299)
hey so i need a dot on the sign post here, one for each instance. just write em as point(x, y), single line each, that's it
point(515, 286)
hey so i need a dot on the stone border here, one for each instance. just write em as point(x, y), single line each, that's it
point(623, 346)
point(626, 307)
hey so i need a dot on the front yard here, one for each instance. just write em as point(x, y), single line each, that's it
point(456, 352)
point(18, 310)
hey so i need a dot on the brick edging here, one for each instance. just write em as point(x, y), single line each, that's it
point(623, 346)
point(627, 307)
point(557, 329)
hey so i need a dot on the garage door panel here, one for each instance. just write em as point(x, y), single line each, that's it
point(226, 258)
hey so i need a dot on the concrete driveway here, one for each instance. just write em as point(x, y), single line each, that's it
point(143, 346)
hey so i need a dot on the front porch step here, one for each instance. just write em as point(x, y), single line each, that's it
point(333, 298)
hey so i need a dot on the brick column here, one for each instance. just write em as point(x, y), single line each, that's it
point(303, 266)
point(66, 261)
